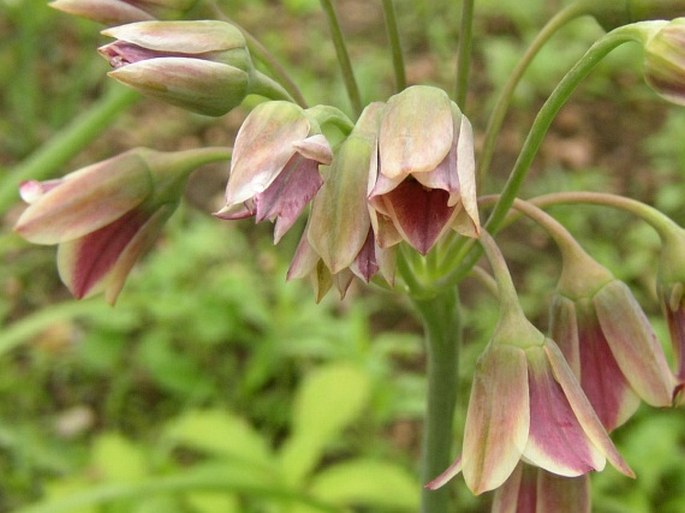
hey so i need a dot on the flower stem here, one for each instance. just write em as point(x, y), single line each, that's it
point(395, 45)
point(463, 254)
point(655, 218)
point(343, 56)
point(464, 54)
point(504, 99)
point(66, 143)
point(263, 85)
point(442, 327)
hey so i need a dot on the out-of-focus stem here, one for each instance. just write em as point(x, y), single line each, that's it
point(395, 45)
point(464, 53)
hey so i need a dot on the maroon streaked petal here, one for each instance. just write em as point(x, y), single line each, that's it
point(676, 327)
point(420, 215)
point(288, 194)
point(563, 330)
point(634, 344)
point(556, 494)
point(557, 441)
point(444, 176)
point(519, 493)
point(304, 261)
point(84, 262)
point(365, 265)
point(139, 245)
point(582, 409)
point(498, 418)
point(602, 380)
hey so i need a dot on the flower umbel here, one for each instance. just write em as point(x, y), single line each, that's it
point(425, 181)
point(106, 216)
point(274, 170)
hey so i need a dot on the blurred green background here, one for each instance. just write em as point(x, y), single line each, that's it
point(212, 369)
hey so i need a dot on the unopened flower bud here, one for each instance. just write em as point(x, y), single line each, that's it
point(119, 12)
point(203, 66)
point(616, 13)
point(664, 65)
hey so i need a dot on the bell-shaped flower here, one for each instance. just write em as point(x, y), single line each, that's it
point(671, 291)
point(274, 171)
point(526, 404)
point(533, 490)
point(202, 65)
point(664, 61)
point(104, 217)
point(120, 12)
point(425, 181)
point(338, 242)
point(608, 340)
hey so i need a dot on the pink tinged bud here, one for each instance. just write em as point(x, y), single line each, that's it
point(274, 171)
point(107, 12)
point(634, 344)
point(425, 182)
point(85, 200)
point(203, 66)
point(574, 326)
point(664, 65)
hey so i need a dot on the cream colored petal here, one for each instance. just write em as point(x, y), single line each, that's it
point(466, 169)
point(497, 420)
point(416, 131)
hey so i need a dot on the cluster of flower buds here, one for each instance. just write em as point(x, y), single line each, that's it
point(404, 173)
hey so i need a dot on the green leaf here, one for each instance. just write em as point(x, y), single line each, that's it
point(219, 433)
point(116, 459)
point(369, 483)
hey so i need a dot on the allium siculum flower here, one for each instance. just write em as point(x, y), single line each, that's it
point(274, 170)
point(533, 490)
point(608, 340)
point(120, 12)
point(338, 241)
point(203, 65)
point(671, 291)
point(425, 181)
point(527, 405)
point(664, 66)
point(104, 217)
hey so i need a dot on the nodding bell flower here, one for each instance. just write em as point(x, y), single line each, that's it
point(664, 62)
point(608, 340)
point(339, 240)
point(104, 217)
point(526, 404)
point(425, 181)
point(274, 171)
point(203, 66)
point(120, 12)
point(671, 291)
point(532, 490)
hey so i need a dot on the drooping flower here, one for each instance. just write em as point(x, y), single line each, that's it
point(533, 490)
point(664, 61)
point(274, 170)
point(201, 65)
point(608, 340)
point(425, 181)
point(119, 12)
point(339, 241)
point(104, 217)
point(525, 404)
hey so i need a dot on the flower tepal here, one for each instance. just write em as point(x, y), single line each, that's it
point(274, 170)
point(425, 181)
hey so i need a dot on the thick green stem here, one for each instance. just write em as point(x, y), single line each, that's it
point(265, 86)
point(394, 38)
point(442, 325)
point(66, 143)
point(343, 56)
point(504, 99)
point(464, 54)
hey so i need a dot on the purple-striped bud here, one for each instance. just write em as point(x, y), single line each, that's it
point(120, 12)
point(664, 66)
